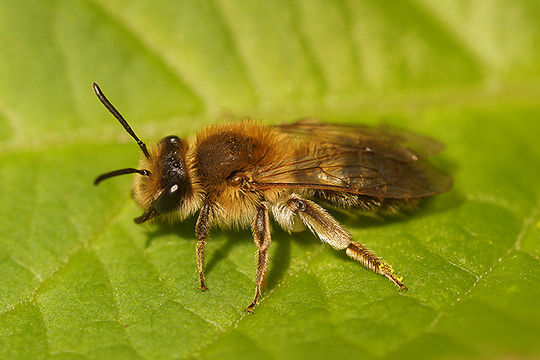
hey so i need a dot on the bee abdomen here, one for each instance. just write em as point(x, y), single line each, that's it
point(348, 200)
point(386, 206)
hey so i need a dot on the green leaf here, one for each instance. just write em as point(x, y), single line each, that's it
point(79, 280)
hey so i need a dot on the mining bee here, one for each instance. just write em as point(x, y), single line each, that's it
point(242, 173)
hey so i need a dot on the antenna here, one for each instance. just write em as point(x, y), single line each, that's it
point(102, 177)
point(120, 118)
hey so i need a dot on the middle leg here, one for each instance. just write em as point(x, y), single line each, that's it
point(261, 236)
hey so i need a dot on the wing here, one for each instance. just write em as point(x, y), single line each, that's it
point(379, 162)
point(402, 141)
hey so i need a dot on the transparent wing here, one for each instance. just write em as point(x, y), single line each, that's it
point(401, 142)
point(379, 162)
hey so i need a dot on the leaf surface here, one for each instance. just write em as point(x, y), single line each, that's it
point(79, 280)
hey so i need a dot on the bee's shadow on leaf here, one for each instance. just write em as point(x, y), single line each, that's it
point(280, 257)
point(280, 249)
point(158, 230)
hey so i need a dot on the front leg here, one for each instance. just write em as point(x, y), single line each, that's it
point(261, 235)
point(202, 231)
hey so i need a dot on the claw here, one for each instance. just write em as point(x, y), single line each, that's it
point(250, 308)
point(396, 281)
point(203, 287)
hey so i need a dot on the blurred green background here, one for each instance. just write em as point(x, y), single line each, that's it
point(79, 280)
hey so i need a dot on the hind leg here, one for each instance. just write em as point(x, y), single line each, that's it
point(359, 253)
point(329, 230)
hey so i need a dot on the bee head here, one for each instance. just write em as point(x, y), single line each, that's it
point(169, 184)
point(164, 184)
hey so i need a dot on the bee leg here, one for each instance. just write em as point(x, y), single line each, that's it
point(361, 254)
point(202, 231)
point(322, 224)
point(261, 236)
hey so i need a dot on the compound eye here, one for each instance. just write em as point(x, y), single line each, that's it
point(173, 139)
point(169, 199)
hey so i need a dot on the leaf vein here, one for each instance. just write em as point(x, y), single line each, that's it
point(231, 39)
point(228, 330)
point(115, 302)
point(516, 246)
point(150, 49)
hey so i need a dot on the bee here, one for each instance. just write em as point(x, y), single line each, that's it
point(242, 174)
